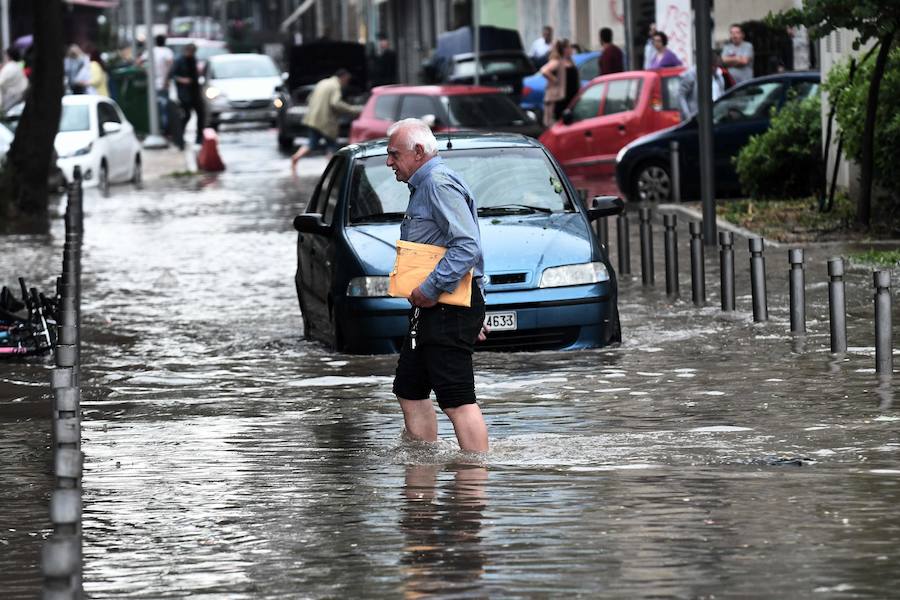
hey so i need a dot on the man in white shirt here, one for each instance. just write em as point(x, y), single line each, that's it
point(687, 97)
point(163, 57)
point(649, 48)
point(540, 48)
point(13, 83)
point(737, 55)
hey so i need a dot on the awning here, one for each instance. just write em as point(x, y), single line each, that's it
point(95, 3)
point(297, 14)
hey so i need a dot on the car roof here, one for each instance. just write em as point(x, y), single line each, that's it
point(183, 41)
point(434, 90)
point(583, 57)
point(459, 141)
point(667, 72)
point(234, 56)
point(786, 76)
point(78, 99)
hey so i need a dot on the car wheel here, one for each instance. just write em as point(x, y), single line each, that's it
point(651, 183)
point(103, 180)
point(137, 175)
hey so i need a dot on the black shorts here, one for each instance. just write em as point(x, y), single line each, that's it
point(442, 360)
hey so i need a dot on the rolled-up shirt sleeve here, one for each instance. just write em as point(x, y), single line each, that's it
point(451, 212)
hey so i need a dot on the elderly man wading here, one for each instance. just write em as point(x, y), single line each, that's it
point(441, 212)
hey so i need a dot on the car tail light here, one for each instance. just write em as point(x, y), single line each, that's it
point(526, 91)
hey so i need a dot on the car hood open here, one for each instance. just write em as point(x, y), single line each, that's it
point(524, 244)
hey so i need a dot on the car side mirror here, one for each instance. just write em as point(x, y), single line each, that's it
point(567, 117)
point(311, 223)
point(111, 127)
point(605, 206)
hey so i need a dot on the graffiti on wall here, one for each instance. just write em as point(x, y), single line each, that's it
point(674, 18)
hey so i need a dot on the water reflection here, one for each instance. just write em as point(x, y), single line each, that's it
point(442, 551)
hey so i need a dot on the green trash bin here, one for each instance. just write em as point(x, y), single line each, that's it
point(128, 87)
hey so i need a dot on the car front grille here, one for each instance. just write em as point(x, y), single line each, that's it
point(551, 338)
point(506, 278)
point(245, 104)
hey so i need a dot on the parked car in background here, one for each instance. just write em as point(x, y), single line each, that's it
point(95, 136)
point(502, 62)
point(548, 282)
point(445, 107)
point(642, 167)
point(307, 65)
point(241, 88)
point(534, 86)
point(611, 111)
point(205, 48)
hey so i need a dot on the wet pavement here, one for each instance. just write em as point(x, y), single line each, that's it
point(707, 456)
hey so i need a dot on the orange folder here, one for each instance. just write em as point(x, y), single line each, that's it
point(414, 264)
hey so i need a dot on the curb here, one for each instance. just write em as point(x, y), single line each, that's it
point(720, 223)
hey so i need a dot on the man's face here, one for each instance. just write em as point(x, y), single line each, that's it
point(652, 30)
point(403, 160)
point(737, 36)
point(548, 34)
point(345, 80)
point(189, 50)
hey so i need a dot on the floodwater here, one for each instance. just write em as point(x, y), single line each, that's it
point(225, 457)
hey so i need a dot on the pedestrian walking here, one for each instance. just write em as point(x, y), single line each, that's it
point(99, 81)
point(663, 57)
point(687, 88)
point(77, 71)
point(539, 51)
point(13, 83)
point(555, 72)
point(441, 212)
point(325, 107)
point(163, 62)
point(737, 55)
point(611, 59)
point(383, 70)
point(187, 83)
point(649, 48)
point(573, 81)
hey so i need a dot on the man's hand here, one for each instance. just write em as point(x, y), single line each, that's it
point(482, 335)
point(418, 298)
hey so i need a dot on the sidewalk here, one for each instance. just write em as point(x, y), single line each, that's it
point(166, 161)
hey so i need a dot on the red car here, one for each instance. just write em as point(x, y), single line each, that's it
point(448, 107)
point(608, 113)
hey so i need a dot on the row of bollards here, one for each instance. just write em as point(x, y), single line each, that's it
point(796, 276)
point(61, 560)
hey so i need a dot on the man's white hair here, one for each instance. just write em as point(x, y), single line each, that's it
point(417, 132)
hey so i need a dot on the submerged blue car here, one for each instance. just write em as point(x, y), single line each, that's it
point(548, 282)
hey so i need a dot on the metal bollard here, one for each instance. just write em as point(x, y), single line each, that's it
point(698, 269)
point(623, 244)
point(671, 249)
point(601, 226)
point(675, 168)
point(61, 377)
point(758, 280)
point(60, 560)
point(66, 355)
point(797, 291)
point(67, 434)
point(837, 306)
point(647, 276)
point(66, 400)
point(726, 269)
point(884, 358)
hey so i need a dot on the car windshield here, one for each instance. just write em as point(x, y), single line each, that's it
point(529, 184)
point(75, 118)
point(750, 102)
point(205, 52)
point(482, 110)
point(244, 66)
point(494, 64)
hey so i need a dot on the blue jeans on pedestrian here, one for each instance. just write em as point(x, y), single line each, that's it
point(162, 101)
point(315, 137)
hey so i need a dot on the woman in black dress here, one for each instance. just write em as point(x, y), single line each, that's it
point(573, 82)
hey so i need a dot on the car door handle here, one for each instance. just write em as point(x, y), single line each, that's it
point(621, 129)
point(588, 133)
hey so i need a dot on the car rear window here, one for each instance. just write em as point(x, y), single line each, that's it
point(417, 106)
point(386, 106)
point(508, 177)
point(75, 118)
point(670, 92)
point(482, 110)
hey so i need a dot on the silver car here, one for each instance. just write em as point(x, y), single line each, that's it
point(240, 88)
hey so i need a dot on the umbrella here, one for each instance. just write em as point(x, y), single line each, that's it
point(23, 43)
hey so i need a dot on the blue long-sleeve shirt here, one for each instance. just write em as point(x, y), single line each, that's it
point(442, 212)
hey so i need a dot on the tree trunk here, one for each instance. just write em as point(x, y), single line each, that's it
point(867, 160)
point(23, 180)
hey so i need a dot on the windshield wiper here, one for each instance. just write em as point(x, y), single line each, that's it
point(380, 217)
point(513, 208)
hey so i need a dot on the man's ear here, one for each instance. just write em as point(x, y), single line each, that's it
point(419, 150)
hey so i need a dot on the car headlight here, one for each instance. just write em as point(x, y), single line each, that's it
point(592, 272)
point(213, 92)
point(278, 102)
point(80, 152)
point(368, 286)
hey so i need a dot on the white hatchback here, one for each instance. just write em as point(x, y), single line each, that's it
point(95, 136)
point(241, 88)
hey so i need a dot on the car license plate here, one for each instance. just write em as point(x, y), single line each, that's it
point(500, 321)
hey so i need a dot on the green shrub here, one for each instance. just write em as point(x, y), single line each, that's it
point(786, 160)
point(851, 114)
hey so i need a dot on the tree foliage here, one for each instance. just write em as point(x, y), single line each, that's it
point(786, 160)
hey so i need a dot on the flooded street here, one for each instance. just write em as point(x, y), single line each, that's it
point(707, 456)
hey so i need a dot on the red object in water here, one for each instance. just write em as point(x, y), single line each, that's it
point(208, 159)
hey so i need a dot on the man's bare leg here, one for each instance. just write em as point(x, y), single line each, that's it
point(470, 428)
point(420, 420)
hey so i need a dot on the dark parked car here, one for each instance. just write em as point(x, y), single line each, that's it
point(642, 167)
point(447, 107)
point(502, 62)
point(549, 284)
point(307, 65)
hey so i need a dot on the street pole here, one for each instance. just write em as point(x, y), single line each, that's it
point(703, 64)
point(4, 18)
point(154, 140)
point(132, 28)
point(630, 54)
point(476, 40)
